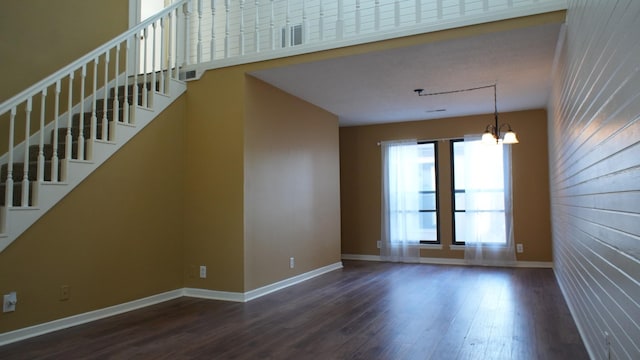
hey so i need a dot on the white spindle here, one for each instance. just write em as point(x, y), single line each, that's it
point(152, 81)
point(377, 15)
point(163, 56)
point(358, 16)
point(83, 80)
point(9, 182)
point(241, 27)
point(418, 11)
point(199, 45)
point(396, 11)
point(25, 174)
point(321, 21)
point(227, 10)
point(69, 138)
point(272, 26)
point(127, 55)
point(485, 5)
point(287, 26)
point(135, 101)
point(106, 96)
point(340, 21)
point(93, 125)
point(56, 112)
point(305, 27)
point(213, 31)
point(170, 56)
point(187, 16)
point(41, 139)
point(116, 102)
point(256, 28)
point(145, 99)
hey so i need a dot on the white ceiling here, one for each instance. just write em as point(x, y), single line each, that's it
point(378, 87)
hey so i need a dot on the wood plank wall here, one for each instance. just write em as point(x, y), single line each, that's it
point(594, 145)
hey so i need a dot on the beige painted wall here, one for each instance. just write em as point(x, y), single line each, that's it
point(116, 238)
point(360, 180)
point(292, 194)
point(38, 37)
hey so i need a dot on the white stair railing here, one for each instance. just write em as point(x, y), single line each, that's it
point(79, 105)
point(219, 29)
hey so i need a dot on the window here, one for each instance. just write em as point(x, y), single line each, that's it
point(478, 187)
point(428, 208)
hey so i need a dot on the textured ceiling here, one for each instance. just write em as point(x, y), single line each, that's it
point(378, 87)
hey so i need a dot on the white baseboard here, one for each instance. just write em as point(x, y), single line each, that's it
point(261, 291)
point(449, 261)
point(40, 329)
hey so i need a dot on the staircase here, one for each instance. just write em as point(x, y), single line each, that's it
point(75, 119)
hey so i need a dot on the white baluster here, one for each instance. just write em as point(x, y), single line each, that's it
point(135, 101)
point(93, 124)
point(9, 182)
point(256, 28)
point(340, 21)
point(272, 27)
point(321, 21)
point(25, 174)
point(69, 138)
point(170, 56)
point(199, 46)
point(241, 27)
point(187, 39)
point(163, 56)
point(358, 16)
point(125, 105)
point(377, 15)
point(56, 112)
point(145, 99)
point(116, 102)
point(397, 13)
point(418, 11)
point(106, 96)
point(305, 27)
point(41, 140)
point(485, 5)
point(287, 26)
point(83, 81)
point(152, 90)
point(213, 30)
point(227, 10)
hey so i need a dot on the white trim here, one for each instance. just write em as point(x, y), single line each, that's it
point(40, 329)
point(431, 246)
point(450, 261)
point(456, 247)
point(261, 291)
point(214, 294)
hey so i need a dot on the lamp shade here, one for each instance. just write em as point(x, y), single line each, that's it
point(509, 138)
point(488, 138)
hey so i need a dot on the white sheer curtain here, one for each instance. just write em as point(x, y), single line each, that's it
point(488, 231)
point(400, 201)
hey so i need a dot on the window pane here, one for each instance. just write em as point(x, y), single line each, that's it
point(428, 201)
point(460, 226)
point(428, 226)
point(459, 200)
point(458, 165)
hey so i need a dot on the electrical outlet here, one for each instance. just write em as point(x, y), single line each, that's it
point(379, 244)
point(10, 301)
point(519, 248)
point(203, 272)
point(65, 292)
point(292, 262)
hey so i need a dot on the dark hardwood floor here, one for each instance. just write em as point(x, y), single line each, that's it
point(367, 310)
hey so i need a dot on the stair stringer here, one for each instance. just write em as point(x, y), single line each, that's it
point(18, 219)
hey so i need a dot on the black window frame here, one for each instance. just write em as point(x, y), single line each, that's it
point(436, 194)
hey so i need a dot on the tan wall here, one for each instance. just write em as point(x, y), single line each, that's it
point(292, 194)
point(38, 37)
point(214, 178)
point(116, 238)
point(360, 180)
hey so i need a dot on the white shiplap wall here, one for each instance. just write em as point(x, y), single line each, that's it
point(594, 139)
